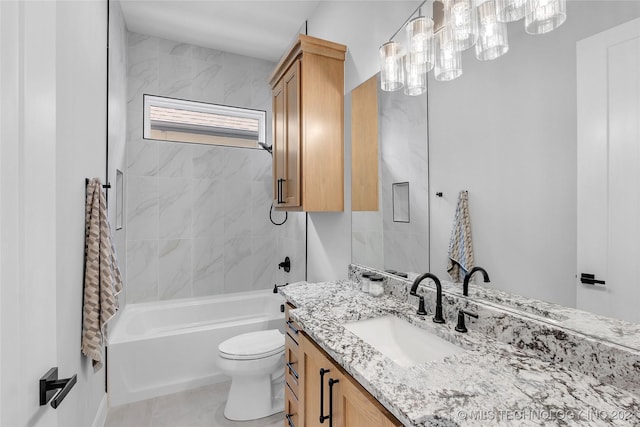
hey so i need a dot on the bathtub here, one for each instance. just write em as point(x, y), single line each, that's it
point(164, 347)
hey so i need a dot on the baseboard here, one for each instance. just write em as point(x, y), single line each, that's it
point(101, 415)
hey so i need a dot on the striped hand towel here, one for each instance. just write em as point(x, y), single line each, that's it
point(460, 245)
point(102, 281)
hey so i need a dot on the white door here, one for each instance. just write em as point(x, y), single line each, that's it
point(608, 220)
point(27, 210)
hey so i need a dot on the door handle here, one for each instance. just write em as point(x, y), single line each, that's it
point(322, 416)
point(331, 384)
point(590, 279)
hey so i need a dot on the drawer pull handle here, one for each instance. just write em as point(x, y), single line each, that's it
point(331, 383)
point(293, 328)
point(293, 371)
point(289, 420)
point(322, 416)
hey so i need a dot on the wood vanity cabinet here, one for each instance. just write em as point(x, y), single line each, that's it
point(346, 401)
point(308, 127)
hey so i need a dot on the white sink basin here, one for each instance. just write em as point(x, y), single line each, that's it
point(402, 342)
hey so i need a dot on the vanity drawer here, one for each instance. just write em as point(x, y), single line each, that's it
point(291, 416)
point(293, 329)
point(292, 367)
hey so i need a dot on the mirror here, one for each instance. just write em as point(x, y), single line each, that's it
point(382, 235)
point(506, 132)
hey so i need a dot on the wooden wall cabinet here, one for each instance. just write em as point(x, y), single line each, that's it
point(345, 401)
point(308, 127)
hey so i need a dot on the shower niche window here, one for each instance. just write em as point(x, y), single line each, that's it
point(179, 120)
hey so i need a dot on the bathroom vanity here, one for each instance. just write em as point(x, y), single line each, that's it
point(508, 369)
point(346, 402)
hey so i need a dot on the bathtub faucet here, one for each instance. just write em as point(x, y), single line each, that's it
point(275, 287)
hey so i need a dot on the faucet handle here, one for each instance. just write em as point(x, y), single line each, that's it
point(461, 327)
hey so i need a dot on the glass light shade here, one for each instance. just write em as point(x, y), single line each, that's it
point(511, 10)
point(415, 75)
point(448, 59)
point(461, 16)
point(543, 16)
point(420, 41)
point(492, 34)
point(391, 69)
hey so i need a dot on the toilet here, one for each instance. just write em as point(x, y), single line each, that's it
point(255, 363)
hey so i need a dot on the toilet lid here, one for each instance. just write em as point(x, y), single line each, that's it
point(253, 345)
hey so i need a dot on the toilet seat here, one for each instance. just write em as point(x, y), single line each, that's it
point(252, 345)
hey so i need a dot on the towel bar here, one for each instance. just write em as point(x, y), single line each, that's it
point(49, 383)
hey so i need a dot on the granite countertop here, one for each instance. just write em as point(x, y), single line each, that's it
point(491, 383)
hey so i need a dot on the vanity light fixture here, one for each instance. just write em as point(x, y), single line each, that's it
point(456, 25)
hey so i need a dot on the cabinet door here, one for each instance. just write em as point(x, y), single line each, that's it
point(279, 142)
point(353, 406)
point(311, 361)
point(292, 188)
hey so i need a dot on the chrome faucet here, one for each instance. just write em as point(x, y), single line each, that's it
point(467, 277)
point(437, 318)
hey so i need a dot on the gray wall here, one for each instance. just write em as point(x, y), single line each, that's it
point(198, 215)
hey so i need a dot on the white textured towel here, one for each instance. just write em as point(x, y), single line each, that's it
point(102, 281)
point(460, 245)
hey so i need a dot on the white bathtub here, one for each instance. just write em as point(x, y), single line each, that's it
point(164, 347)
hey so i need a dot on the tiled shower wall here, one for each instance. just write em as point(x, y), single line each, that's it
point(198, 215)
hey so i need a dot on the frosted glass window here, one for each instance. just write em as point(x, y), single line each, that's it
point(179, 120)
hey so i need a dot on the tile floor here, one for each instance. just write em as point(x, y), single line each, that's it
point(201, 407)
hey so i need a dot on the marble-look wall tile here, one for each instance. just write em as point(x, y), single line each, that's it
point(170, 47)
point(237, 190)
point(237, 78)
point(207, 86)
point(175, 208)
point(174, 269)
point(237, 264)
point(142, 157)
point(207, 161)
point(260, 207)
point(175, 160)
point(263, 262)
point(142, 271)
point(208, 266)
point(208, 208)
point(175, 76)
point(210, 204)
point(142, 208)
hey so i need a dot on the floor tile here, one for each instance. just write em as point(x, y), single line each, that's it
point(200, 407)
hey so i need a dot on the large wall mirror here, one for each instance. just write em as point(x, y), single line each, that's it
point(511, 132)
